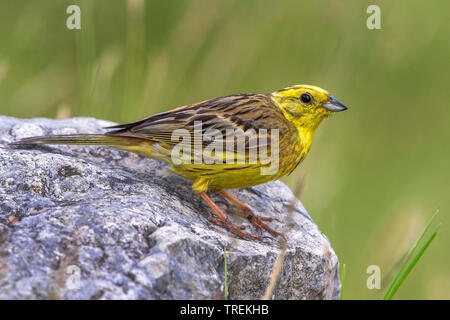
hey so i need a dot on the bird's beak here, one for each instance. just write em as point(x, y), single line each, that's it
point(334, 105)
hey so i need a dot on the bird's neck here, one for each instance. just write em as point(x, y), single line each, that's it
point(308, 122)
point(306, 136)
point(306, 126)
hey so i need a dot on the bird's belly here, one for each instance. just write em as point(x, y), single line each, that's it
point(241, 175)
point(236, 179)
point(229, 176)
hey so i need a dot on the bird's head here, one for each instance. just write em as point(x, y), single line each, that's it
point(306, 106)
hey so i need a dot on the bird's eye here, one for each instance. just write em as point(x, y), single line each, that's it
point(306, 97)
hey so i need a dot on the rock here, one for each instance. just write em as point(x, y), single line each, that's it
point(88, 222)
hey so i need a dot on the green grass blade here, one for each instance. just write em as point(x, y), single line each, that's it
point(400, 273)
point(411, 265)
point(342, 282)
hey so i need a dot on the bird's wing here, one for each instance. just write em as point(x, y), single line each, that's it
point(240, 113)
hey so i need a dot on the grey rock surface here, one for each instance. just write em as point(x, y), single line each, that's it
point(88, 222)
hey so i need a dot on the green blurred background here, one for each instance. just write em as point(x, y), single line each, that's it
point(375, 173)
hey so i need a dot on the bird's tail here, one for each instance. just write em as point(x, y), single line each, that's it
point(140, 146)
point(81, 139)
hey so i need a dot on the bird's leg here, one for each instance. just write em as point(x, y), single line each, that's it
point(255, 220)
point(223, 220)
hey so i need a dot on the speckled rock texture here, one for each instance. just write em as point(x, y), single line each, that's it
point(89, 222)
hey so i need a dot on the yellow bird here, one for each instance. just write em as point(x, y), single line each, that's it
point(229, 142)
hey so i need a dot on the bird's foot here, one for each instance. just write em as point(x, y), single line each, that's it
point(244, 211)
point(234, 229)
point(258, 222)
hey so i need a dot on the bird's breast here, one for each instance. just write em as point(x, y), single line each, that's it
point(294, 149)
